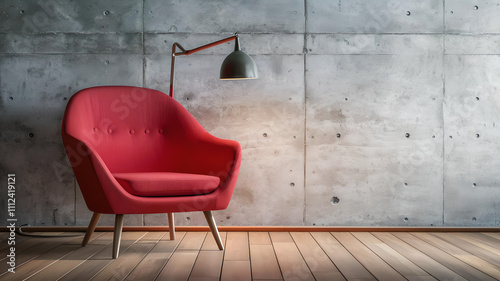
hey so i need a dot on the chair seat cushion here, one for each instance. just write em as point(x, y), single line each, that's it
point(166, 184)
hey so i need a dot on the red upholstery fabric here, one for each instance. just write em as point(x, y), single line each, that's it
point(166, 184)
point(121, 129)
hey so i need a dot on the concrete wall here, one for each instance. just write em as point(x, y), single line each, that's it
point(366, 113)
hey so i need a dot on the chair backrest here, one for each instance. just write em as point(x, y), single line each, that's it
point(132, 129)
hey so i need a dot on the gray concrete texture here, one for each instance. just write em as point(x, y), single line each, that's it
point(366, 113)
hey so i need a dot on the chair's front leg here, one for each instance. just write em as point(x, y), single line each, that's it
point(215, 232)
point(171, 226)
point(91, 228)
point(118, 235)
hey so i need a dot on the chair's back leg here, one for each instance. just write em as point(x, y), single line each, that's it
point(118, 235)
point(171, 226)
point(91, 228)
point(215, 232)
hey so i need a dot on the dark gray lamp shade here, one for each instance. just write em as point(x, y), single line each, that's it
point(238, 65)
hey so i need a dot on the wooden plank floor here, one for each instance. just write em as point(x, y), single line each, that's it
point(194, 256)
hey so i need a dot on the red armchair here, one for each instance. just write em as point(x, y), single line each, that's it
point(138, 151)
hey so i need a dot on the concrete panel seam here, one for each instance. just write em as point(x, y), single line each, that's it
point(305, 114)
point(374, 33)
point(69, 32)
point(442, 106)
point(143, 53)
point(223, 33)
point(472, 55)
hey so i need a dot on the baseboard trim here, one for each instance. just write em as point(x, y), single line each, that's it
point(262, 229)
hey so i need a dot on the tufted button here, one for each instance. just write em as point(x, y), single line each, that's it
point(110, 131)
point(131, 132)
point(160, 131)
point(147, 131)
point(95, 130)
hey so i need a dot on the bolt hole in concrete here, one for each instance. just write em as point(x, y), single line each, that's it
point(188, 218)
point(474, 184)
point(477, 98)
point(106, 13)
point(106, 62)
point(433, 137)
point(477, 135)
point(11, 98)
point(474, 219)
point(21, 12)
point(335, 200)
point(338, 136)
point(406, 219)
point(264, 135)
point(451, 137)
point(292, 184)
point(31, 135)
point(407, 135)
point(476, 7)
point(405, 184)
point(408, 13)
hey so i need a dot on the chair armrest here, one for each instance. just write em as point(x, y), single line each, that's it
point(98, 186)
point(81, 157)
point(197, 151)
point(209, 155)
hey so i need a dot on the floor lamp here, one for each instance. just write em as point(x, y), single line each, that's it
point(235, 66)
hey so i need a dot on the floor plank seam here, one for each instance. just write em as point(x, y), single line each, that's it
point(275, 256)
point(156, 243)
point(123, 251)
point(166, 261)
point(90, 257)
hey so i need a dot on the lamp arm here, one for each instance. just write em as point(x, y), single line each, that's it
point(185, 52)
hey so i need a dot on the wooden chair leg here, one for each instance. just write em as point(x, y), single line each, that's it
point(91, 228)
point(215, 232)
point(118, 235)
point(171, 226)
